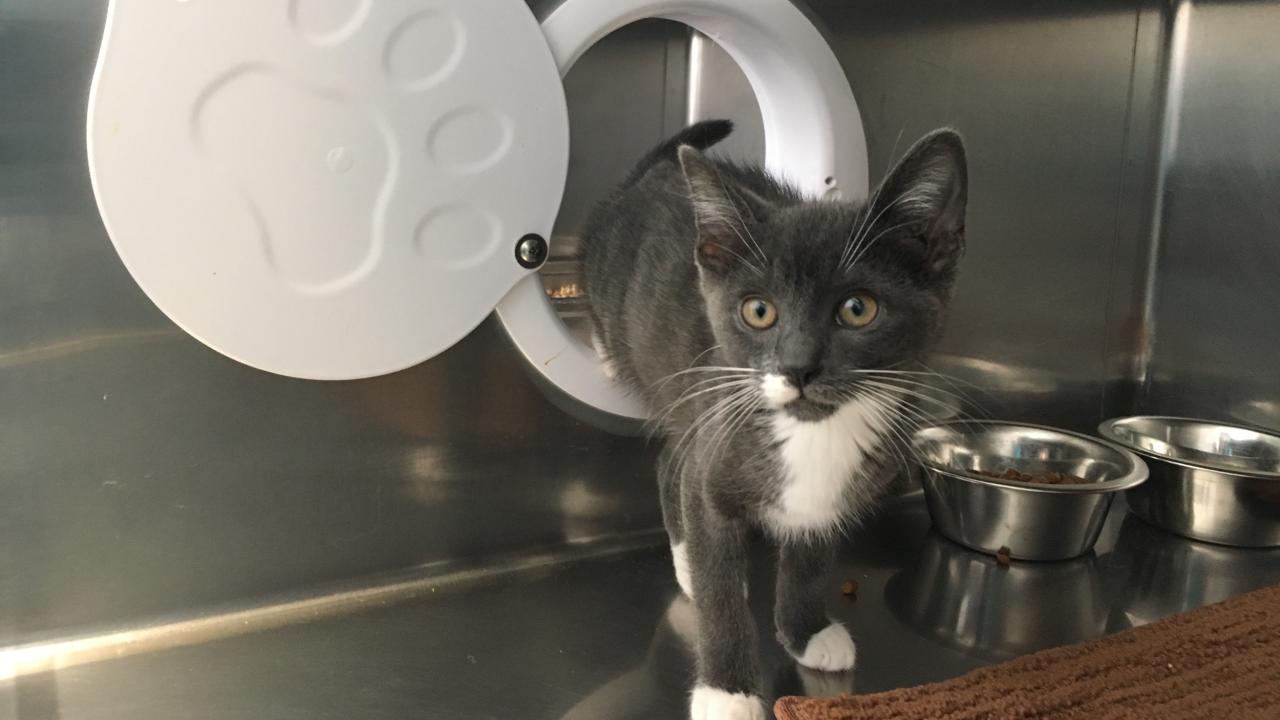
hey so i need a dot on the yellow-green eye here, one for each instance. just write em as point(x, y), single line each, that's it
point(858, 311)
point(759, 313)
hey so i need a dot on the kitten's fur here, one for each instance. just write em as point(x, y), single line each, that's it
point(790, 434)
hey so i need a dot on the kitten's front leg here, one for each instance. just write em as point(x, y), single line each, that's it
point(803, 626)
point(728, 674)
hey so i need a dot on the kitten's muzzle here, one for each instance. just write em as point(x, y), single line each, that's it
point(802, 375)
point(807, 410)
point(791, 385)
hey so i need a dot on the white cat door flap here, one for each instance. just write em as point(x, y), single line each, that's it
point(336, 189)
point(326, 189)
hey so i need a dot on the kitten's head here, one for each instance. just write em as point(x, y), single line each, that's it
point(810, 293)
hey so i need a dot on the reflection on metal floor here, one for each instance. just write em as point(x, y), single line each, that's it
point(606, 636)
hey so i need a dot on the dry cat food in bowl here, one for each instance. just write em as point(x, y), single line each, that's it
point(1039, 492)
point(1043, 478)
point(1209, 481)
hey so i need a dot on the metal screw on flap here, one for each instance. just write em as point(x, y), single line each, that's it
point(531, 251)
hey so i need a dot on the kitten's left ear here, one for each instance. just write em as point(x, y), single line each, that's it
point(925, 198)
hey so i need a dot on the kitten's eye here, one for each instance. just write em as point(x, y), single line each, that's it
point(858, 311)
point(759, 313)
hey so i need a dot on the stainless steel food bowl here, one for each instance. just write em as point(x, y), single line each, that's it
point(1209, 481)
point(1035, 522)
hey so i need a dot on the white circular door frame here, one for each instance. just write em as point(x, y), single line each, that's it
point(812, 128)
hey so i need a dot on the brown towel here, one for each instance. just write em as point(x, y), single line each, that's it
point(1220, 662)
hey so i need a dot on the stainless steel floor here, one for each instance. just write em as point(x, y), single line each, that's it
point(605, 638)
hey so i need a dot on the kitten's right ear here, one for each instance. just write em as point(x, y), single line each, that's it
point(721, 214)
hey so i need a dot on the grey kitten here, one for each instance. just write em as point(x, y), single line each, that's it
point(767, 333)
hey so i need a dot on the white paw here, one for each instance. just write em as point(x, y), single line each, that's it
point(830, 650)
point(680, 558)
point(710, 703)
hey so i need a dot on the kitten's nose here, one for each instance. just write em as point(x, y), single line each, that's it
point(799, 376)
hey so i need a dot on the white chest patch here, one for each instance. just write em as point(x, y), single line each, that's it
point(820, 463)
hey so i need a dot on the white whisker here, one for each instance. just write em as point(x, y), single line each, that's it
point(723, 384)
point(888, 421)
point(857, 227)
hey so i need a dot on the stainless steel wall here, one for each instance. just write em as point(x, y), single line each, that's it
point(1215, 329)
point(141, 473)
